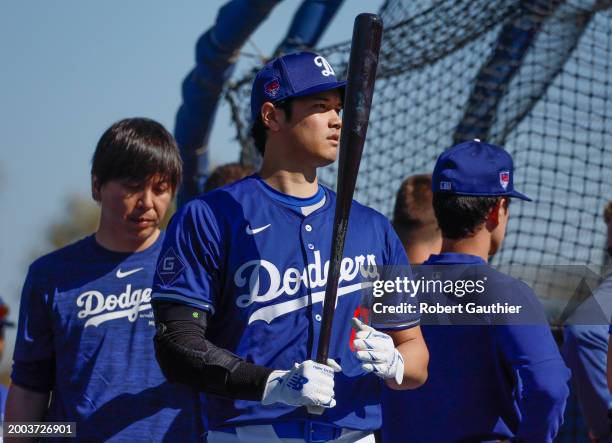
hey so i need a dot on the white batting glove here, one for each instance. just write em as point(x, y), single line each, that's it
point(377, 352)
point(307, 384)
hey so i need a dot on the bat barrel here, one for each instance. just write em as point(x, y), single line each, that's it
point(361, 75)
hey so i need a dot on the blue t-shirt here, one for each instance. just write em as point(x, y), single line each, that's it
point(260, 268)
point(85, 333)
point(489, 379)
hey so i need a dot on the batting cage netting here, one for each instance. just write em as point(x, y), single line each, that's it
point(533, 76)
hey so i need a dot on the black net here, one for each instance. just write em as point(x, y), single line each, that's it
point(533, 76)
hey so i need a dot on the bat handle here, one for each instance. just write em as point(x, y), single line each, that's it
point(315, 410)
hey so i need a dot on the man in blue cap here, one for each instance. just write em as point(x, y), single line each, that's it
point(4, 322)
point(495, 372)
point(242, 275)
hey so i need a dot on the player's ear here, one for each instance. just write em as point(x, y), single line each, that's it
point(494, 214)
point(95, 188)
point(270, 116)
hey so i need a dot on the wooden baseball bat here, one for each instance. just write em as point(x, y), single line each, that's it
point(365, 47)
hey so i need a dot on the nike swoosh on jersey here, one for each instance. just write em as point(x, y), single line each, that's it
point(250, 231)
point(126, 273)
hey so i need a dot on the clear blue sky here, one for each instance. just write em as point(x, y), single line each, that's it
point(71, 68)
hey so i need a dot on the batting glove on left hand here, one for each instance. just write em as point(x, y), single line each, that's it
point(377, 352)
point(306, 384)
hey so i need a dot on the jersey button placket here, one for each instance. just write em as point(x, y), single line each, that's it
point(309, 243)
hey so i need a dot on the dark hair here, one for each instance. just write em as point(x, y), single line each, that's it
point(136, 149)
point(226, 174)
point(607, 213)
point(258, 130)
point(413, 207)
point(460, 215)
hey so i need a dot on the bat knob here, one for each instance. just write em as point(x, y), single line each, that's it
point(369, 18)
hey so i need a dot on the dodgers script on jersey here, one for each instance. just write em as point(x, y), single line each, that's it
point(260, 268)
point(86, 334)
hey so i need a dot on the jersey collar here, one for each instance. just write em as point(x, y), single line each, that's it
point(289, 199)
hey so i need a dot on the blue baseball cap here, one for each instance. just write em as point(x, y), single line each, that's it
point(4, 311)
point(475, 168)
point(292, 75)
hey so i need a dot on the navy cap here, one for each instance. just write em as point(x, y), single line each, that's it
point(292, 75)
point(4, 311)
point(475, 168)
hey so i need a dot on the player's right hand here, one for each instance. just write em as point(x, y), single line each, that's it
point(307, 384)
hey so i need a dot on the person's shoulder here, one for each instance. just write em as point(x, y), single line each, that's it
point(508, 280)
point(218, 208)
point(223, 199)
point(511, 286)
point(236, 190)
point(64, 255)
point(56, 262)
point(508, 291)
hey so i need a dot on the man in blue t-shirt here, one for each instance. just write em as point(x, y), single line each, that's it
point(495, 371)
point(242, 275)
point(84, 350)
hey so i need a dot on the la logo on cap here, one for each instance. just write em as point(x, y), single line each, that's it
point(504, 178)
point(320, 61)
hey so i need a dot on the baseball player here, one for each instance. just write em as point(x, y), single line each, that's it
point(414, 219)
point(494, 374)
point(242, 275)
point(84, 349)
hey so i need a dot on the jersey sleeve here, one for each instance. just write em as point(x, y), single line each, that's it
point(396, 309)
point(585, 350)
point(189, 267)
point(542, 376)
point(34, 356)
